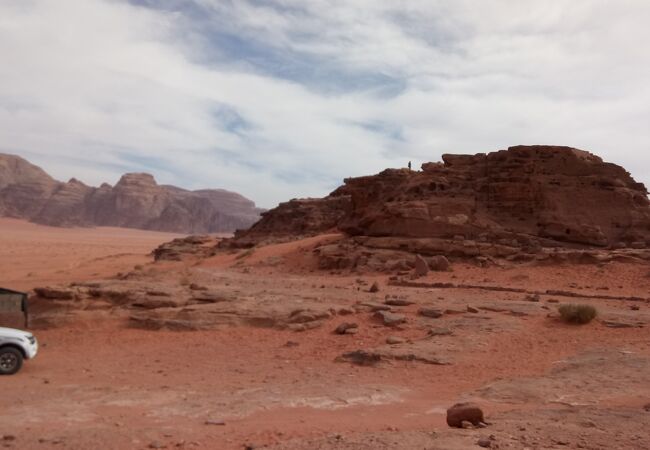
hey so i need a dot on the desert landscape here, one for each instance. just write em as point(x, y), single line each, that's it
point(355, 321)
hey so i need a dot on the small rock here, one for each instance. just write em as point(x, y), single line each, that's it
point(471, 309)
point(8, 437)
point(647, 407)
point(361, 357)
point(439, 263)
point(390, 319)
point(464, 412)
point(439, 332)
point(345, 327)
point(374, 287)
point(304, 316)
point(215, 422)
point(421, 266)
point(291, 344)
point(392, 340)
point(430, 312)
point(157, 444)
point(398, 302)
point(533, 298)
point(484, 442)
point(553, 300)
point(635, 307)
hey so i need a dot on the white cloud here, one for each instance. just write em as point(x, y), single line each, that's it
point(284, 99)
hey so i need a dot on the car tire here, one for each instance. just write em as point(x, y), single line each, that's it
point(11, 360)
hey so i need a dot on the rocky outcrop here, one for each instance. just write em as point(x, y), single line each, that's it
point(527, 194)
point(136, 201)
point(295, 219)
point(525, 203)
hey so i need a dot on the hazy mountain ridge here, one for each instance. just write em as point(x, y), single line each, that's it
point(136, 201)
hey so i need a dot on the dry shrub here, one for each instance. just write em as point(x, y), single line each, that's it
point(579, 314)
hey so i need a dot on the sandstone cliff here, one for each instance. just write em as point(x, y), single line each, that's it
point(136, 201)
point(506, 204)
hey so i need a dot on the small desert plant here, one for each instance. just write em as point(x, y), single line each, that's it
point(577, 313)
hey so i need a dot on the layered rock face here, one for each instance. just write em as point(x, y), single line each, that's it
point(524, 193)
point(295, 219)
point(524, 202)
point(136, 201)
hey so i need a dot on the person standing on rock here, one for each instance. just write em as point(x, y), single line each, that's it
point(409, 165)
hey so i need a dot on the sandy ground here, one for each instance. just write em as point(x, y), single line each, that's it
point(32, 254)
point(542, 383)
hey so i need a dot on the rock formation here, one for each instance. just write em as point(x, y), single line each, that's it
point(521, 201)
point(136, 201)
point(295, 219)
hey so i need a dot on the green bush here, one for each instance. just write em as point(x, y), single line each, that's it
point(577, 313)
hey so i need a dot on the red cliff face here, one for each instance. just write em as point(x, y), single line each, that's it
point(136, 201)
point(554, 193)
point(521, 203)
point(295, 219)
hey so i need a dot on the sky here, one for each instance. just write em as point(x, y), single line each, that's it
point(281, 99)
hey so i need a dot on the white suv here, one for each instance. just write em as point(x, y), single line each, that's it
point(15, 345)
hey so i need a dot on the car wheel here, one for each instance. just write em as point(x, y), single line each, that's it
point(11, 360)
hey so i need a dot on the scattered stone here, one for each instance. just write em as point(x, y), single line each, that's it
point(215, 422)
point(390, 319)
point(439, 263)
point(461, 412)
point(157, 444)
point(8, 437)
point(305, 315)
point(398, 302)
point(439, 332)
point(361, 357)
point(393, 340)
point(553, 300)
point(533, 298)
point(305, 326)
point(484, 442)
point(421, 266)
point(345, 311)
point(635, 307)
point(374, 288)
point(291, 344)
point(346, 328)
point(471, 309)
point(430, 312)
point(375, 306)
point(197, 287)
point(647, 407)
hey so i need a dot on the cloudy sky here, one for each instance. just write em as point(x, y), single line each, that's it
point(278, 99)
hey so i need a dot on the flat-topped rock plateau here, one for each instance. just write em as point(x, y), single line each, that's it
point(357, 320)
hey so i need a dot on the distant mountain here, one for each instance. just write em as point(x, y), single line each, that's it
point(136, 201)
